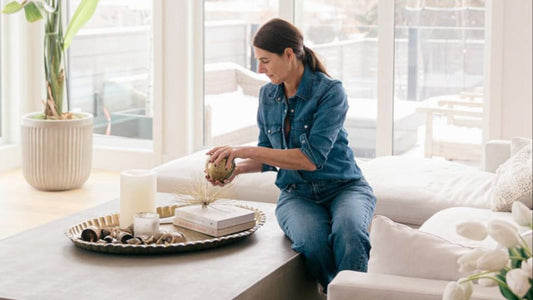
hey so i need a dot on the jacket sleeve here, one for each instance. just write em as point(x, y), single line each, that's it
point(263, 140)
point(327, 122)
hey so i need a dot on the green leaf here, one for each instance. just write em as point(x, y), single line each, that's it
point(32, 12)
point(529, 295)
point(507, 293)
point(523, 252)
point(516, 252)
point(83, 13)
point(13, 7)
point(39, 117)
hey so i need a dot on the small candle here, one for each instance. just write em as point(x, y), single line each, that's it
point(137, 194)
point(146, 223)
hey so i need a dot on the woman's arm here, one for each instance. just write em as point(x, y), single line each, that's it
point(288, 159)
point(248, 166)
point(256, 157)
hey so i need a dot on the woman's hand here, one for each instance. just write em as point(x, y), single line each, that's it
point(217, 155)
point(222, 183)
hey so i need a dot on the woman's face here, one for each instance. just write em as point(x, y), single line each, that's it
point(276, 67)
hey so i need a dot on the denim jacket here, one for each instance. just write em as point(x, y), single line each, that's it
point(317, 113)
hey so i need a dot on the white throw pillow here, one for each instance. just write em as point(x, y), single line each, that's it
point(398, 249)
point(513, 181)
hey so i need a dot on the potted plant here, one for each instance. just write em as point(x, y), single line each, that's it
point(56, 144)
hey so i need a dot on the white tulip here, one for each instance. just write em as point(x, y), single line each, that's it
point(457, 291)
point(527, 266)
point(487, 281)
point(468, 261)
point(493, 260)
point(453, 291)
point(528, 237)
point(472, 230)
point(503, 232)
point(468, 288)
point(521, 213)
point(518, 282)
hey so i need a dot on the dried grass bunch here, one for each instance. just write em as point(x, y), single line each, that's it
point(201, 192)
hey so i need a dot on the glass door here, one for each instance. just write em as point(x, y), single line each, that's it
point(438, 76)
point(344, 34)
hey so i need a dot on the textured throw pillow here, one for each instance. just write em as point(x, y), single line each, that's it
point(518, 143)
point(513, 181)
point(398, 249)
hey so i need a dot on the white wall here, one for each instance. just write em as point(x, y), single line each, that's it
point(517, 65)
point(509, 78)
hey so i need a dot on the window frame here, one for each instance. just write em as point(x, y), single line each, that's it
point(12, 29)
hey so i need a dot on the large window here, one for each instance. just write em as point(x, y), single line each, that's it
point(231, 85)
point(344, 34)
point(438, 76)
point(110, 71)
point(420, 79)
point(436, 67)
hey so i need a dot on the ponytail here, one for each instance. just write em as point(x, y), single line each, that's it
point(311, 59)
point(277, 35)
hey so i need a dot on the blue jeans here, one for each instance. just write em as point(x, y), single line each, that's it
point(328, 223)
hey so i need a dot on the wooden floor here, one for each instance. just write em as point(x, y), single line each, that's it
point(23, 207)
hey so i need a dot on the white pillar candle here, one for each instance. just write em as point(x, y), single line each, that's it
point(137, 194)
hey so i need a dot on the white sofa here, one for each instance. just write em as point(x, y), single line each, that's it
point(227, 86)
point(408, 263)
point(423, 187)
point(410, 191)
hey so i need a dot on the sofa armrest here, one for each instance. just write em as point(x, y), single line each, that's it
point(496, 153)
point(350, 285)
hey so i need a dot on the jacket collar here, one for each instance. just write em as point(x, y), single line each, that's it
point(304, 89)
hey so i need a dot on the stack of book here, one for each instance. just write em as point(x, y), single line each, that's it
point(215, 219)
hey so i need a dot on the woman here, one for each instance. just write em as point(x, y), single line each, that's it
point(325, 205)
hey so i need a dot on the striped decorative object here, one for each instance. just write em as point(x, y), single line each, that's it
point(57, 154)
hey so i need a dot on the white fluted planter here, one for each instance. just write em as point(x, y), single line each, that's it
point(57, 154)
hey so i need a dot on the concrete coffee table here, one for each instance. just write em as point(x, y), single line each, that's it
point(43, 263)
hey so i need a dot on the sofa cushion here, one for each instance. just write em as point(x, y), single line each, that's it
point(176, 176)
point(409, 190)
point(443, 224)
point(513, 180)
point(398, 249)
point(350, 285)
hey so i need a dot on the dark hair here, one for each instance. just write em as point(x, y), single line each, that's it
point(276, 35)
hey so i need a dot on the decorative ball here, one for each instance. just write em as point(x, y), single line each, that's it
point(219, 173)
